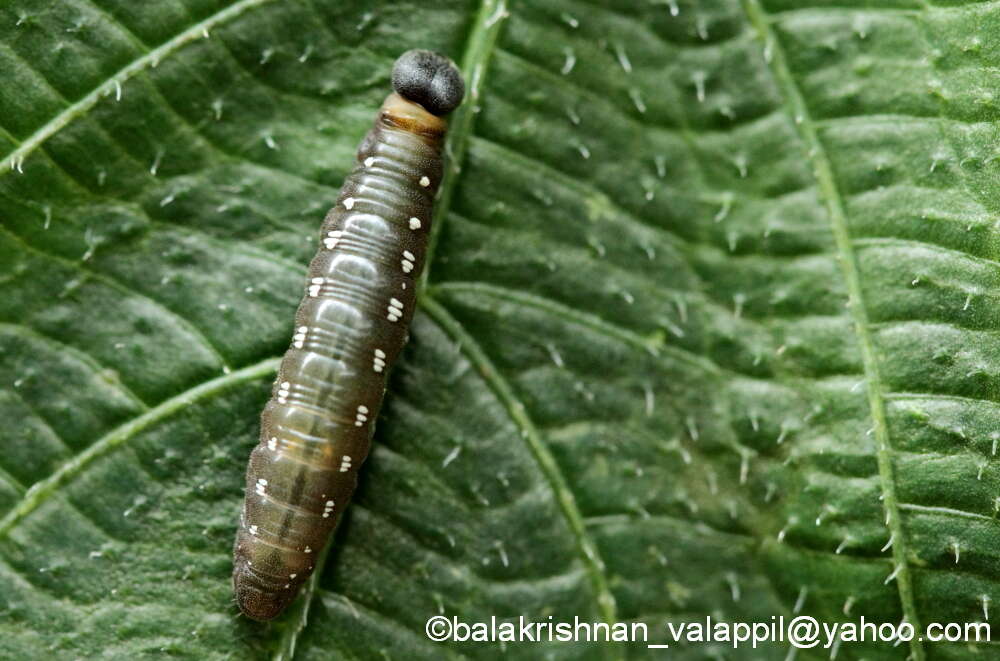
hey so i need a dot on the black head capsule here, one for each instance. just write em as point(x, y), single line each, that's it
point(430, 79)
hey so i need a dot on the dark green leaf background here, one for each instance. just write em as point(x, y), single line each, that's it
point(710, 325)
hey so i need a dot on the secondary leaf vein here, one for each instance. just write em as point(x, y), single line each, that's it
point(43, 490)
point(107, 280)
point(823, 172)
point(14, 159)
point(546, 461)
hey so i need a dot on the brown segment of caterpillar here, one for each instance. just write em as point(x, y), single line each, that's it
point(361, 292)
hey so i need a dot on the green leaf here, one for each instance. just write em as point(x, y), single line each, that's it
point(709, 326)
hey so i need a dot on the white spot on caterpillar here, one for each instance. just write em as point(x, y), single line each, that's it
point(261, 487)
point(253, 530)
point(272, 444)
point(395, 309)
point(345, 464)
point(414, 223)
point(378, 364)
point(362, 416)
point(349, 203)
point(332, 238)
point(425, 182)
point(292, 575)
point(308, 549)
point(407, 261)
point(299, 339)
point(283, 391)
point(316, 286)
point(370, 161)
point(327, 509)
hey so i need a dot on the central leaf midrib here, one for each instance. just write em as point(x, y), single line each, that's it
point(823, 173)
point(479, 51)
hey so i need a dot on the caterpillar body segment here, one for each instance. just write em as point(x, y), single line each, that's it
point(316, 429)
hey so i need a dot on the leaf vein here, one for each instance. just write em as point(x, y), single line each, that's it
point(121, 287)
point(12, 159)
point(547, 464)
point(565, 313)
point(475, 63)
point(823, 172)
point(334, 600)
point(27, 332)
point(44, 489)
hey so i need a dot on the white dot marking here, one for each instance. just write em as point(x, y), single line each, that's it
point(332, 238)
point(362, 416)
point(299, 339)
point(407, 262)
point(283, 391)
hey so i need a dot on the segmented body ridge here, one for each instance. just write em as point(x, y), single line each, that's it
point(352, 323)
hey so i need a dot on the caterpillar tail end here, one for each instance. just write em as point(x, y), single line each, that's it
point(256, 603)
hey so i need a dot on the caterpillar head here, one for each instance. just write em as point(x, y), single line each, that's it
point(430, 79)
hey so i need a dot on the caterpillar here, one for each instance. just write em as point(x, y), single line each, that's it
point(316, 429)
